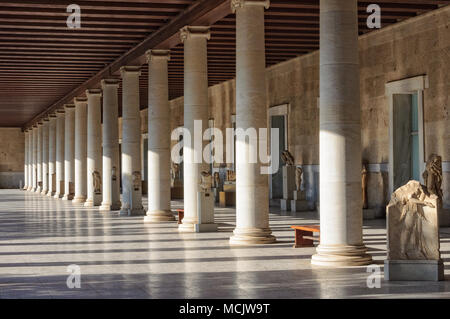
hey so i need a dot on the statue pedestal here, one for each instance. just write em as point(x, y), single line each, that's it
point(205, 213)
point(413, 270)
point(177, 192)
point(288, 186)
point(299, 202)
point(227, 198)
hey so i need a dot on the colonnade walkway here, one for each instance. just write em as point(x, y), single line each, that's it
point(121, 257)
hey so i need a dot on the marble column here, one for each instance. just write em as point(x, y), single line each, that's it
point(60, 150)
point(196, 101)
point(39, 157)
point(25, 166)
point(46, 122)
point(131, 143)
point(94, 150)
point(69, 152)
point(80, 149)
point(34, 158)
point(110, 138)
point(30, 159)
point(158, 138)
point(341, 242)
point(252, 189)
point(51, 155)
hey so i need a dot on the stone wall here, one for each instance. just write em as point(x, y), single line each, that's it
point(417, 46)
point(12, 157)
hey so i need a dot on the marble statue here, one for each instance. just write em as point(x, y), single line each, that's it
point(96, 179)
point(412, 219)
point(174, 172)
point(287, 158)
point(364, 186)
point(231, 176)
point(206, 181)
point(298, 178)
point(137, 181)
point(216, 180)
point(114, 173)
point(433, 175)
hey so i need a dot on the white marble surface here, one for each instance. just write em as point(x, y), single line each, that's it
point(121, 257)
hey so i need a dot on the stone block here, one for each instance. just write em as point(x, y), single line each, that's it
point(301, 206)
point(288, 181)
point(205, 213)
point(413, 270)
point(177, 192)
point(227, 199)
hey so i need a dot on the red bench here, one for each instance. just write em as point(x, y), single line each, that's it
point(180, 215)
point(304, 235)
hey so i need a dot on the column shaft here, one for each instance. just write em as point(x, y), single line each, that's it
point(51, 155)
point(340, 138)
point(45, 156)
point(34, 158)
point(252, 190)
point(131, 143)
point(39, 158)
point(158, 138)
point(25, 166)
point(69, 152)
point(195, 109)
point(111, 160)
point(94, 150)
point(80, 149)
point(60, 150)
point(30, 159)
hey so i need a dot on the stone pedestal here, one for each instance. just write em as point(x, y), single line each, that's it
point(177, 192)
point(413, 270)
point(299, 202)
point(205, 213)
point(288, 181)
point(227, 198)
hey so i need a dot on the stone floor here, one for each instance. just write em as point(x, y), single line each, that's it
point(121, 257)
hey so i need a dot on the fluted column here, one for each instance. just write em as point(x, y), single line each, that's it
point(45, 156)
point(252, 190)
point(34, 157)
point(80, 149)
point(341, 241)
point(39, 157)
point(158, 138)
point(25, 166)
point(110, 138)
point(51, 155)
point(69, 152)
point(131, 143)
point(94, 151)
point(60, 150)
point(195, 109)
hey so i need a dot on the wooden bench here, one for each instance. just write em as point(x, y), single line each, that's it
point(301, 231)
point(180, 215)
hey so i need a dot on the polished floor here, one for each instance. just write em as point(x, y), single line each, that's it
point(121, 257)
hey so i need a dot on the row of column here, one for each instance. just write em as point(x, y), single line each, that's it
point(77, 130)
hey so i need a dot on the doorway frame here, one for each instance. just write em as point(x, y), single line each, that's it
point(277, 110)
point(411, 85)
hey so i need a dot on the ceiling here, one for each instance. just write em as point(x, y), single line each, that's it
point(43, 64)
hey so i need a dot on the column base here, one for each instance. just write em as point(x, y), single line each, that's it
point(186, 227)
point(132, 212)
point(341, 256)
point(37, 190)
point(158, 216)
point(25, 188)
point(50, 194)
point(252, 236)
point(67, 197)
point(44, 192)
point(105, 207)
point(57, 195)
point(79, 199)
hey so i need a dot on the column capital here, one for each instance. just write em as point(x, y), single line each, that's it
point(60, 112)
point(79, 100)
point(157, 55)
point(130, 69)
point(69, 107)
point(110, 82)
point(188, 31)
point(94, 92)
point(45, 120)
point(34, 126)
point(242, 3)
point(40, 123)
point(52, 116)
